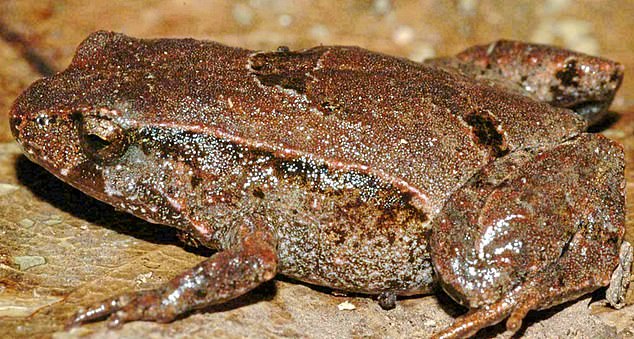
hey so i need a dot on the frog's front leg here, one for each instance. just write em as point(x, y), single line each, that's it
point(249, 261)
point(531, 230)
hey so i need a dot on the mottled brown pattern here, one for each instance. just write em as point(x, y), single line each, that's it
point(337, 166)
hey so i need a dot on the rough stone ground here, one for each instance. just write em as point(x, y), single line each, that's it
point(60, 249)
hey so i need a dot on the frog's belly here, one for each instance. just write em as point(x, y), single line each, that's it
point(339, 243)
point(356, 261)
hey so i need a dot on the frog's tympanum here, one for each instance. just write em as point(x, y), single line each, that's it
point(345, 168)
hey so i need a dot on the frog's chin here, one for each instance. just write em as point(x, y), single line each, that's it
point(85, 177)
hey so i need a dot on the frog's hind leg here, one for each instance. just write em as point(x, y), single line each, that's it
point(533, 229)
point(248, 262)
point(560, 77)
point(571, 276)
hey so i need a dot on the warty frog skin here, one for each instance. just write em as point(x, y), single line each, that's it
point(345, 168)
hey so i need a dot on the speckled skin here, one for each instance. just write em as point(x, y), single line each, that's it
point(344, 168)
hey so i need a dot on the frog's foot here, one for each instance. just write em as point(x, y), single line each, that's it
point(141, 301)
point(224, 276)
point(620, 280)
point(543, 292)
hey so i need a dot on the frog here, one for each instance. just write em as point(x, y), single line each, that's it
point(472, 175)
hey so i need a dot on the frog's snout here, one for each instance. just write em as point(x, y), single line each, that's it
point(48, 137)
point(28, 112)
point(14, 124)
point(20, 123)
point(16, 118)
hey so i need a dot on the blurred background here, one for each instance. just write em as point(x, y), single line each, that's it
point(55, 256)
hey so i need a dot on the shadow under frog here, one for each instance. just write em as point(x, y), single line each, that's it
point(345, 168)
point(70, 200)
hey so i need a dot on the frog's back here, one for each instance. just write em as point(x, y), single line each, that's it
point(344, 168)
point(424, 129)
point(349, 154)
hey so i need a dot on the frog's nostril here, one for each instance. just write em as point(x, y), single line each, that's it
point(15, 121)
point(76, 116)
point(44, 119)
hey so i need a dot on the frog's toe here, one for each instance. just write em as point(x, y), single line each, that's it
point(145, 305)
point(620, 280)
point(470, 323)
point(124, 308)
point(99, 310)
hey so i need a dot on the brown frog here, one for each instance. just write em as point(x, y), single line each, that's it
point(345, 168)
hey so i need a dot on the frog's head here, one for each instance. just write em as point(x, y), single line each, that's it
point(76, 126)
point(97, 149)
point(75, 144)
point(68, 122)
point(95, 125)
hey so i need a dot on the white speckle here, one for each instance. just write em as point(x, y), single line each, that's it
point(403, 35)
point(382, 7)
point(468, 6)
point(319, 32)
point(27, 261)
point(243, 14)
point(429, 323)
point(285, 20)
point(422, 52)
point(7, 188)
point(143, 278)
point(499, 228)
point(346, 306)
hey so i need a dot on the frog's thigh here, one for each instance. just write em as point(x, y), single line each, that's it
point(227, 274)
point(531, 230)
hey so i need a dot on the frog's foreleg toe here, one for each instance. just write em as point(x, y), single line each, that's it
point(100, 310)
point(224, 276)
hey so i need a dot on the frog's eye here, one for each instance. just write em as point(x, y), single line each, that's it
point(101, 138)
